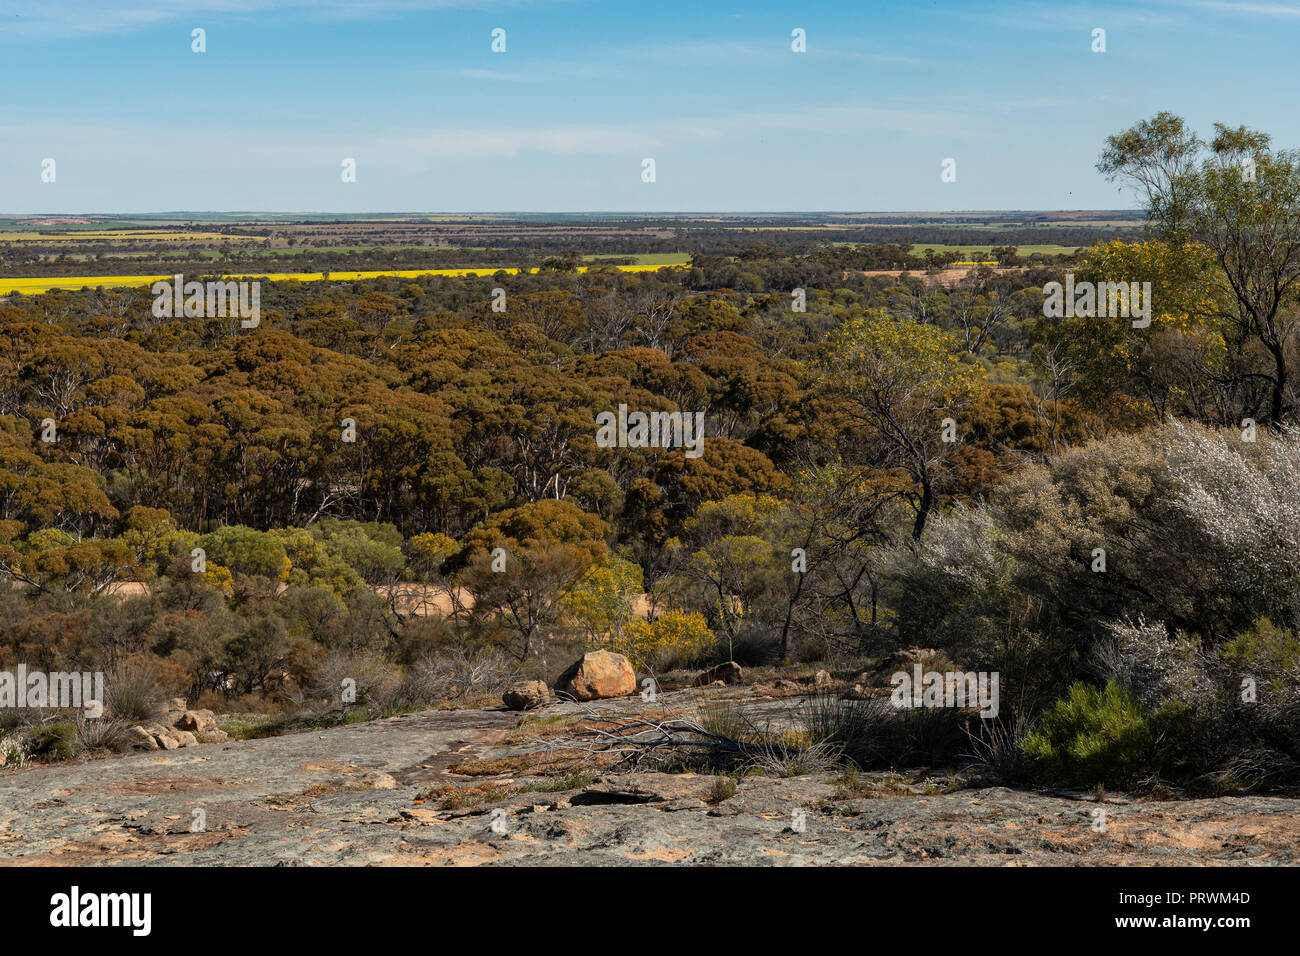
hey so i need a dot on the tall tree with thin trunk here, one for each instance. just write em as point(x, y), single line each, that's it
point(1241, 200)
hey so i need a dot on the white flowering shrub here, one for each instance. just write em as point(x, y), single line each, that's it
point(1242, 501)
point(943, 581)
point(959, 549)
point(12, 753)
point(1155, 665)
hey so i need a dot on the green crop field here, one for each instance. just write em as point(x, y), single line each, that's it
point(648, 258)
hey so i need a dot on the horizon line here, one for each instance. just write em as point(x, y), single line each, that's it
point(556, 212)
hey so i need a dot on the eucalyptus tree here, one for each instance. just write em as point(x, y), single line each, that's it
point(1239, 198)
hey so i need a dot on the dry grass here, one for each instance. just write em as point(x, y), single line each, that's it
point(466, 798)
point(562, 760)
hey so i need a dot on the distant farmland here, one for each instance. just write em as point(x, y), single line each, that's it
point(36, 286)
point(970, 249)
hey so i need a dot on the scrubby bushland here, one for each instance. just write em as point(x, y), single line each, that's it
point(391, 483)
point(1201, 544)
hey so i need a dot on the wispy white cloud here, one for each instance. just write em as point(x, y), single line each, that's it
point(491, 76)
point(701, 51)
point(407, 150)
point(78, 18)
point(1057, 16)
point(1286, 10)
point(419, 147)
point(1033, 103)
point(756, 52)
point(535, 71)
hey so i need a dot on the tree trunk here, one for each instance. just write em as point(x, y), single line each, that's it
point(927, 502)
point(1279, 382)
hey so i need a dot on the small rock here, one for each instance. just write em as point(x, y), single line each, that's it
point(378, 780)
point(197, 722)
point(821, 679)
point(421, 815)
point(526, 694)
point(142, 739)
point(729, 672)
point(202, 724)
point(169, 738)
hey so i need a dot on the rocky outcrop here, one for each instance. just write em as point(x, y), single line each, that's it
point(176, 726)
point(201, 723)
point(597, 675)
point(393, 792)
point(156, 736)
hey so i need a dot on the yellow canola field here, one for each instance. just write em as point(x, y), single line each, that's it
point(87, 235)
point(36, 286)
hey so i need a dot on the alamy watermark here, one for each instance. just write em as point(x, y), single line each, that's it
point(946, 689)
point(174, 298)
point(1129, 300)
point(129, 910)
point(651, 430)
point(76, 690)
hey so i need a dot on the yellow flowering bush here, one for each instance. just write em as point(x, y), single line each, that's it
point(601, 600)
point(221, 578)
point(673, 636)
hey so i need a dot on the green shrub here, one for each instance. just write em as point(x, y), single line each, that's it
point(1207, 746)
point(1265, 647)
point(52, 742)
point(1093, 736)
point(247, 551)
point(724, 788)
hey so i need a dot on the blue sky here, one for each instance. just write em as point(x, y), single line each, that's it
point(586, 89)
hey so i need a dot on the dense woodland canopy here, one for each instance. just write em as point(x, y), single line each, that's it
point(832, 512)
